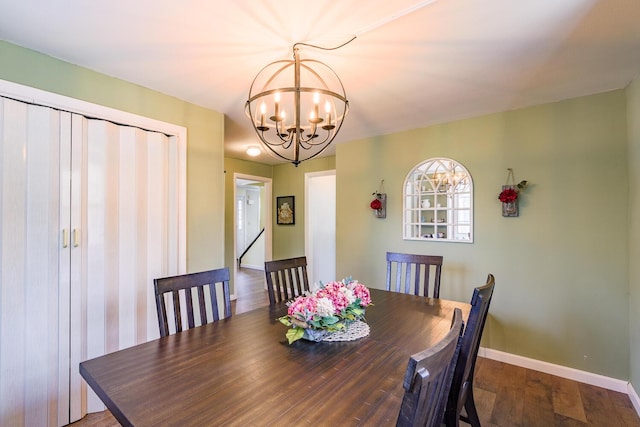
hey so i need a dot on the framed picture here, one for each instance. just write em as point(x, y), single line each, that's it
point(285, 210)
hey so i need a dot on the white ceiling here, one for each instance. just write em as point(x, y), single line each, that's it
point(412, 64)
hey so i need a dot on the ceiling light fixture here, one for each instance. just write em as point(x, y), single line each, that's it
point(297, 106)
point(253, 151)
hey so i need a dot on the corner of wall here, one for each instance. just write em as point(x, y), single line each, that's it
point(633, 132)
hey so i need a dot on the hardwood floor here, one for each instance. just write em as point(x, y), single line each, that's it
point(506, 395)
point(250, 291)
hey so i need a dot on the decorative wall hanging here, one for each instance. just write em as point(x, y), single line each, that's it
point(509, 195)
point(438, 202)
point(379, 204)
point(285, 213)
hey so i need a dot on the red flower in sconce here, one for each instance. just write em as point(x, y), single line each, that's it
point(379, 203)
point(508, 195)
point(376, 204)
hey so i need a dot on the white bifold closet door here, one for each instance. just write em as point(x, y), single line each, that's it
point(90, 213)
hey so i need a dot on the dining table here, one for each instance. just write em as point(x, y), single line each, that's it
point(242, 371)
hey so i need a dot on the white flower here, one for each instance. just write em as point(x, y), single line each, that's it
point(325, 307)
point(348, 293)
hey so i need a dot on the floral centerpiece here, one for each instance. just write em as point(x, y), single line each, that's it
point(328, 308)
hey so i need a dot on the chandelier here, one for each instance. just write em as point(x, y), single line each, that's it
point(297, 107)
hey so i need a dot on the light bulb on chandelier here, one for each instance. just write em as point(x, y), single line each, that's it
point(297, 88)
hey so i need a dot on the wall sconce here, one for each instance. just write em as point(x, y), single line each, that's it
point(379, 204)
point(509, 195)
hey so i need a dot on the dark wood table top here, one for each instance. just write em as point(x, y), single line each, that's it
point(241, 371)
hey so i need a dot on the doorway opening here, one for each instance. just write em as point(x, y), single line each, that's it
point(252, 231)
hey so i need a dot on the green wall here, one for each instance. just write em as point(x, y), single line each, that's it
point(205, 136)
point(561, 267)
point(288, 180)
point(633, 118)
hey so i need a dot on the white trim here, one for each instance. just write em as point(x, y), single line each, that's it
point(558, 370)
point(635, 399)
point(73, 105)
point(253, 267)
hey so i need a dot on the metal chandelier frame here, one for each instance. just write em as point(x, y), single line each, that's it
point(298, 87)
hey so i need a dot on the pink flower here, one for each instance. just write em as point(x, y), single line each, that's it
point(303, 308)
point(333, 291)
point(362, 292)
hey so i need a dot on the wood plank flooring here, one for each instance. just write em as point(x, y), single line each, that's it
point(250, 291)
point(506, 395)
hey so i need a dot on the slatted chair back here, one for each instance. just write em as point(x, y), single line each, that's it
point(428, 379)
point(286, 278)
point(461, 394)
point(414, 274)
point(177, 291)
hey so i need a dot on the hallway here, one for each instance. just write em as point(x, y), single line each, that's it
point(250, 291)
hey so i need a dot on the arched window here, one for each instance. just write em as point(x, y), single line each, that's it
point(438, 202)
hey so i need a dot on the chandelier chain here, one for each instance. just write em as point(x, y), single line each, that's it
point(324, 48)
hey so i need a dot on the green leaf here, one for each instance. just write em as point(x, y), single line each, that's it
point(294, 334)
point(330, 320)
point(335, 327)
point(284, 320)
point(350, 316)
point(316, 323)
point(358, 311)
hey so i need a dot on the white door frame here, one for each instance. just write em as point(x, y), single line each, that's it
point(267, 220)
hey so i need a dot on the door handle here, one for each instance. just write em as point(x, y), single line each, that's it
point(65, 238)
point(76, 237)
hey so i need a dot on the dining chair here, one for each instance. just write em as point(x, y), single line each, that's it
point(428, 379)
point(416, 271)
point(286, 278)
point(461, 394)
point(181, 296)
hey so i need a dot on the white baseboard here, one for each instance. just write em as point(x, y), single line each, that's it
point(253, 267)
point(635, 399)
point(562, 371)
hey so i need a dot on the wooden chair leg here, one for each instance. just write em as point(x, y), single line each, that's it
point(451, 419)
point(470, 408)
